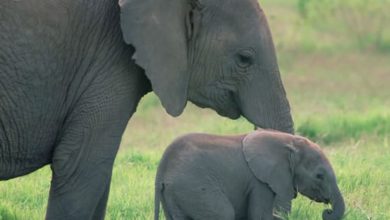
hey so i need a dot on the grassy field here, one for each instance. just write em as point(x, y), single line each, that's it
point(340, 97)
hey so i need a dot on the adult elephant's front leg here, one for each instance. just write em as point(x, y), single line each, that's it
point(78, 191)
point(83, 160)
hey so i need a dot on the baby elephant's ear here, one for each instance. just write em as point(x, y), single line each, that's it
point(269, 159)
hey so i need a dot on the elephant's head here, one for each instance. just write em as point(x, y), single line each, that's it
point(214, 53)
point(315, 178)
point(289, 164)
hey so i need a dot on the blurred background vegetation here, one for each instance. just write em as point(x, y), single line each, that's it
point(363, 24)
point(335, 61)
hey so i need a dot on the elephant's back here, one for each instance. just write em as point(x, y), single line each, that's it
point(204, 142)
point(53, 39)
point(198, 152)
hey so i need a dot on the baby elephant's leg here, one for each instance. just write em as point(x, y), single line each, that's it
point(215, 207)
point(172, 210)
point(261, 201)
point(204, 204)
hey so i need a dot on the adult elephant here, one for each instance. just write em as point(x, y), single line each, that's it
point(69, 82)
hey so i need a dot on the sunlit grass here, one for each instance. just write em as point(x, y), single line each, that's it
point(25, 198)
point(345, 126)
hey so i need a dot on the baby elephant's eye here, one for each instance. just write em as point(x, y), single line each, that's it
point(320, 176)
point(245, 59)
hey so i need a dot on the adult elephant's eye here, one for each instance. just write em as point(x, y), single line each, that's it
point(244, 59)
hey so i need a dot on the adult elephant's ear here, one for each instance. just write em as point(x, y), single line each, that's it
point(271, 160)
point(157, 30)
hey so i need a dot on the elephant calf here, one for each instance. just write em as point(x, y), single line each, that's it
point(204, 177)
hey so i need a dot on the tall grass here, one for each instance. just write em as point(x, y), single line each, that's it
point(363, 21)
point(347, 126)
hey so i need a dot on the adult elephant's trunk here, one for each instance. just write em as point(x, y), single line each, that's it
point(338, 206)
point(264, 102)
point(263, 99)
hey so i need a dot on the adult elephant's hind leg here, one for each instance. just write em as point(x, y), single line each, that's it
point(83, 160)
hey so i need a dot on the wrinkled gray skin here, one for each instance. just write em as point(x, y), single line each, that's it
point(205, 177)
point(72, 73)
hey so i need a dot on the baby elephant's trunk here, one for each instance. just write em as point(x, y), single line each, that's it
point(338, 206)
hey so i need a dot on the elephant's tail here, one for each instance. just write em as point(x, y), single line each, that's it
point(157, 199)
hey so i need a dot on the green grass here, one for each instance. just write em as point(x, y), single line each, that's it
point(362, 168)
point(340, 97)
point(347, 126)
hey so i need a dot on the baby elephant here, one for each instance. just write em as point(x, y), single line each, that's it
point(207, 177)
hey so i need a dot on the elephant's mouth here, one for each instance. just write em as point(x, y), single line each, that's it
point(229, 106)
point(320, 199)
point(226, 105)
point(316, 195)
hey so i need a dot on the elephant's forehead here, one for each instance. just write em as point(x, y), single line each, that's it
point(237, 9)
